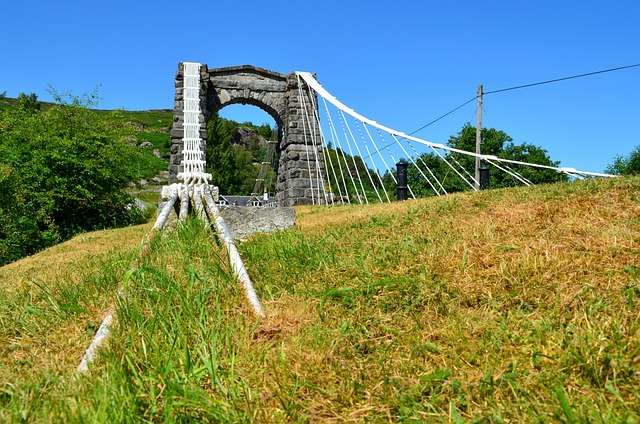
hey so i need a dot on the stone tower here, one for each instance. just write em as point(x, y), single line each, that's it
point(301, 167)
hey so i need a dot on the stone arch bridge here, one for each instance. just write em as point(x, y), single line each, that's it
point(300, 168)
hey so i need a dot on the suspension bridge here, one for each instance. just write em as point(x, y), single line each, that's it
point(318, 151)
point(329, 153)
point(379, 147)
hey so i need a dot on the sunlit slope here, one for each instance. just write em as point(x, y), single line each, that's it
point(517, 304)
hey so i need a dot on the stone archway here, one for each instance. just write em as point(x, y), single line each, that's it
point(279, 96)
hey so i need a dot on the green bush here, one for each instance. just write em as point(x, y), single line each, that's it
point(626, 165)
point(64, 171)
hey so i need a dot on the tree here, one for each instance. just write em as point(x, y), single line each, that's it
point(629, 165)
point(500, 144)
point(29, 104)
point(221, 161)
point(494, 142)
point(233, 167)
point(65, 171)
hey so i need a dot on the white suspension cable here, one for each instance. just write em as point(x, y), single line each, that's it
point(353, 158)
point(411, 159)
point(390, 155)
point(365, 164)
point(470, 184)
point(436, 191)
point(413, 196)
point(324, 93)
point(516, 172)
point(346, 163)
point(374, 166)
point(471, 177)
point(326, 157)
point(332, 131)
point(513, 174)
point(318, 127)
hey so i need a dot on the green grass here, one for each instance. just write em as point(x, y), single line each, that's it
point(517, 305)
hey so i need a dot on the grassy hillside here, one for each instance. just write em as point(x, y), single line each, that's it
point(516, 305)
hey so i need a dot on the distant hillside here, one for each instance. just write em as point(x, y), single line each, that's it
point(509, 305)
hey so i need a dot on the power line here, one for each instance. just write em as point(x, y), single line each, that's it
point(525, 86)
point(424, 126)
point(562, 79)
point(446, 114)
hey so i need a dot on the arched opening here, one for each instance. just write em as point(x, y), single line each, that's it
point(242, 151)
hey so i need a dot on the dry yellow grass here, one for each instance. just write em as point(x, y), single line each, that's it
point(506, 305)
point(70, 257)
point(44, 274)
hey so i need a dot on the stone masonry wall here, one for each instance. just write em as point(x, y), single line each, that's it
point(298, 181)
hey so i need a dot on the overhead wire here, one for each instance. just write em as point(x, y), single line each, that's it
point(525, 86)
point(562, 79)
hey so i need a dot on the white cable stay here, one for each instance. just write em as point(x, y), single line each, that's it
point(367, 168)
point(375, 146)
point(326, 154)
point(313, 83)
point(317, 129)
point(344, 156)
point(334, 135)
point(194, 188)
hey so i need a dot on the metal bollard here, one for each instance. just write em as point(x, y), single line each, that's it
point(401, 185)
point(484, 178)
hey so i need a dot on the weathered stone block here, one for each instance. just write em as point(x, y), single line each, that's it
point(243, 222)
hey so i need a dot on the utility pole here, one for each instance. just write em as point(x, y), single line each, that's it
point(478, 136)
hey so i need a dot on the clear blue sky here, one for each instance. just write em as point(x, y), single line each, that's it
point(402, 63)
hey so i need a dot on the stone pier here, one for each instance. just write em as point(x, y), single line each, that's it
point(301, 167)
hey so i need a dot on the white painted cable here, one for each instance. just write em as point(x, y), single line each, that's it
point(343, 119)
point(327, 154)
point(511, 172)
point(234, 256)
point(105, 327)
point(373, 185)
point(411, 159)
point(310, 80)
point(387, 146)
point(306, 143)
point(344, 157)
point(317, 129)
point(436, 191)
point(98, 340)
point(338, 146)
point(184, 202)
point(375, 146)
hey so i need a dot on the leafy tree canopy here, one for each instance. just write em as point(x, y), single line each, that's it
point(626, 165)
point(64, 171)
point(494, 142)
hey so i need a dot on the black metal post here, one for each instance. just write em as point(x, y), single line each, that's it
point(401, 186)
point(484, 178)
